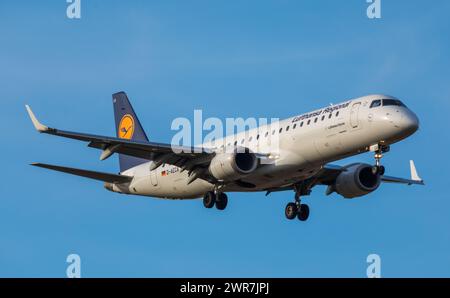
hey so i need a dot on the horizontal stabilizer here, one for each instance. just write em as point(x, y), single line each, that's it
point(106, 177)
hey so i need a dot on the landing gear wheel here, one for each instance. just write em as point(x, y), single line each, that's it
point(378, 170)
point(209, 199)
point(374, 170)
point(221, 201)
point(291, 210)
point(303, 213)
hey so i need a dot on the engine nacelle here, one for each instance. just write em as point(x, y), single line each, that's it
point(232, 166)
point(356, 181)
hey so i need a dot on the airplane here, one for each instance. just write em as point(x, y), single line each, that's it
point(307, 146)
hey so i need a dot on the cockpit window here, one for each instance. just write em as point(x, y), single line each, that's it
point(375, 103)
point(393, 102)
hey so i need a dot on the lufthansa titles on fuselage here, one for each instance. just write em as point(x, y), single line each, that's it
point(329, 109)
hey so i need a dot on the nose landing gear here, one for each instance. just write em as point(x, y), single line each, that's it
point(379, 150)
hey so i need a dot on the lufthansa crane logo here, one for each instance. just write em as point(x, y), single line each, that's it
point(126, 127)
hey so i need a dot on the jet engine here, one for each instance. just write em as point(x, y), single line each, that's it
point(232, 166)
point(358, 180)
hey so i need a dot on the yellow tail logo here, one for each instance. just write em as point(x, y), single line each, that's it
point(126, 127)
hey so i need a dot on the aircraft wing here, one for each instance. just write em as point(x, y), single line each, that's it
point(185, 157)
point(106, 177)
point(329, 172)
point(325, 176)
point(415, 179)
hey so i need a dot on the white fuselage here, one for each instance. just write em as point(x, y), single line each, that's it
point(305, 143)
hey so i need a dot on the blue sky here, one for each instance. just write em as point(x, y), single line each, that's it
point(231, 59)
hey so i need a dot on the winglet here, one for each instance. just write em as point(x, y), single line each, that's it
point(39, 127)
point(414, 175)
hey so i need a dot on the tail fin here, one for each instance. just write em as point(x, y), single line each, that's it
point(127, 127)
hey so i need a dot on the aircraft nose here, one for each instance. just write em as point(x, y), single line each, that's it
point(409, 122)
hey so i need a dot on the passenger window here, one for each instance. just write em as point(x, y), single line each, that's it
point(375, 103)
point(329, 116)
point(309, 121)
point(281, 129)
point(315, 120)
point(250, 139)
point(273, 132)
point(257, 137)
point(287, 128)
point(337, 113)
point(235, 143)
point(301, 124)
point(267, 133)
point(323, 117)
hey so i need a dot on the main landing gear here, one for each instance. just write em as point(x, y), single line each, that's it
point(212, 198)
point(297, 209)
point(379, 150)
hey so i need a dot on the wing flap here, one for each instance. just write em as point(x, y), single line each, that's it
point(105, 177)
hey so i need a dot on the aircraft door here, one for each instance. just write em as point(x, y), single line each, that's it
point(354, 121)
